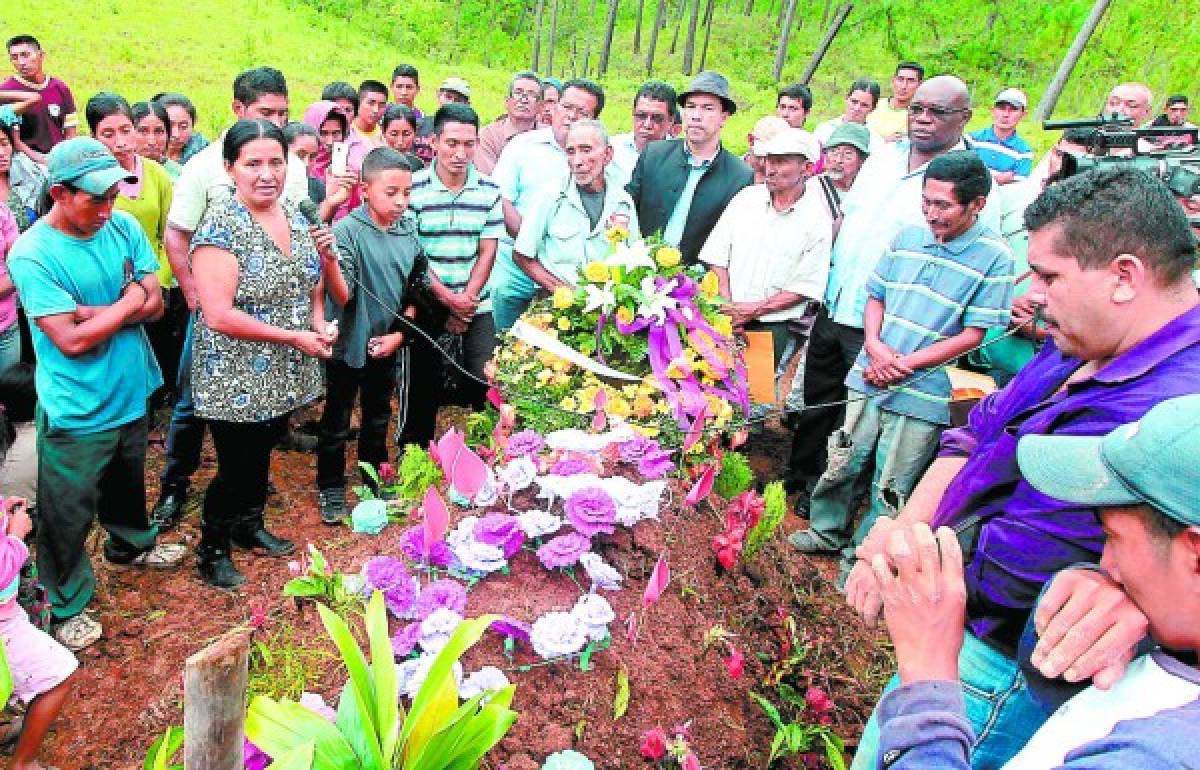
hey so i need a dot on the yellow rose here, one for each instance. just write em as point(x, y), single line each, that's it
point(619, 407)
point(668, 256)
point(564, 324)
point(543, 377)
point(643, 406)
point(569, 404)
point(723, 325)
point(596, 272)
point(563, 297)
point(624, 315)
point(617, 235)
point(709, 284)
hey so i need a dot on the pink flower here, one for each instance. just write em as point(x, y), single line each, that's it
point(527, 443)
point(564, 550)
point(735, 664)
point(405, 640)
point(502, 530)
point(656, 463)
point(654, 744)
point(387, 473)
point(818, 700)
point(442, 594)
point(690, 762)
point(591, 511)
point(258, 615)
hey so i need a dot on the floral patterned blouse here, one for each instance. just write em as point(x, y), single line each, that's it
point(240, 380)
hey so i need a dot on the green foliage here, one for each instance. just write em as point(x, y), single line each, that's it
point(165, 746)
point(283, 662)
point(800, 737)
point(480, 426)
point(621, 697)
point(371, 731)
point(320, 581)
point(774, 510)
point(417, 473)
point(6, 680)
point(735, 476)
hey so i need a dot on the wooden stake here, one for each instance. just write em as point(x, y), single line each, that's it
point(1045, 107)
point(819, 54)
point(214, 699)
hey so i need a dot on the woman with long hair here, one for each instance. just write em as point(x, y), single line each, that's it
point(258, 335)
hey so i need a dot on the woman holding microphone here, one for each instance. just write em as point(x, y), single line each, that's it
point(258, 335)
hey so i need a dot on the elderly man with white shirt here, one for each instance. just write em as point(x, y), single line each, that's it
point(770, 248)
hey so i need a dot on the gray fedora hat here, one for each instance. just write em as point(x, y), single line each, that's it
point(713, 83)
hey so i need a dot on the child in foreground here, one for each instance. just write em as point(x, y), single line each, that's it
point(381, 266)
point(41, 668)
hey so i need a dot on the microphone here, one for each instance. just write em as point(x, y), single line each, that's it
point(310, 212)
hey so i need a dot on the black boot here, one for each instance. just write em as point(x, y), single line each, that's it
point(251, 534)
point(212, 556)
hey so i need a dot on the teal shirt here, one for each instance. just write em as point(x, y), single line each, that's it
point(673, 232)
point(107, 386)
point(560, 235)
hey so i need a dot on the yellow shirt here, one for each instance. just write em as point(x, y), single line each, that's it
point(150, 210)
point(886, 121)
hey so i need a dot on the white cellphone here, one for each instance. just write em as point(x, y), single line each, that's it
point(340, 154)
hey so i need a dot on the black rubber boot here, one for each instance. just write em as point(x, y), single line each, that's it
point(249, 533)
point(212, 556)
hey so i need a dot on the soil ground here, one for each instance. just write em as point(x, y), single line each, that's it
point(129, 687)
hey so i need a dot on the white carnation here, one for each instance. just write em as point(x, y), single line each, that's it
point(488, 679)
point(539, 523)
point(556, 634)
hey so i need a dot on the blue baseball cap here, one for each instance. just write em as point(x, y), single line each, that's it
point(86, 164)
point(1152, 461)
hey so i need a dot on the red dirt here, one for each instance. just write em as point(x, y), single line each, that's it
point(130, 684)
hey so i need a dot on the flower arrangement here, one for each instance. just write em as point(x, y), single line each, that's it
point(643, 314)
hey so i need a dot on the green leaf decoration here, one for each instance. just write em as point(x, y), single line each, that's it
point(621, 698)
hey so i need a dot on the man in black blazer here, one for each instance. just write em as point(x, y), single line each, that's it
point(681, 186)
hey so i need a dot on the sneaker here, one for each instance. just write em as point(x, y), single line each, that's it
point(333, 505)
point(161, 556)
point(805, 541)
point(78, 632)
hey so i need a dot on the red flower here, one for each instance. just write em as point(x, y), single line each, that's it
point(654, 744)
point(735, 664)
point(387, 473)
point(818, 700)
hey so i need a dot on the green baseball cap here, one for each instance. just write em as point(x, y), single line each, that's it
point(854, 134)
point(1152, 461)
point(86, 164)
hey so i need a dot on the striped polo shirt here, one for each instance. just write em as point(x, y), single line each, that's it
point(450, 224)
point(930, 292)
point(1012, 154)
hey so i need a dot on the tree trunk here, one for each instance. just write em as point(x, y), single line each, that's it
point(516, 30)
point(553, 36)
point(1045, 107)
point(786, 12)
point(825, 13)
point(539, 18)
point(658, 18)
point(708, 21)
point(689, 45)
point(609, 26)
point(591, 34)
point(214, 697)
point(678, 25)
point(749, 9)
point(785, 32)
point(823, 47)
point(637, 27)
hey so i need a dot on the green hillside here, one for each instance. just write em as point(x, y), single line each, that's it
point(138, 48)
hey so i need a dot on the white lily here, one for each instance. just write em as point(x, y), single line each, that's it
point(630, 257)
point(655, 302)
point(600, 298)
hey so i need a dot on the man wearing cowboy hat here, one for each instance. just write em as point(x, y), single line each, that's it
point(681, 186)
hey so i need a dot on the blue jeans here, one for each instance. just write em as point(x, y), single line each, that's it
point(10, 346)
point(1000, 707)
point(185, 437)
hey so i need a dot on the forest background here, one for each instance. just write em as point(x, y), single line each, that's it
point(140, 47)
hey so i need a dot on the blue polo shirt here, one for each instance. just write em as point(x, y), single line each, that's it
point(1012, 154)
point(54, 273)
point(930, 292)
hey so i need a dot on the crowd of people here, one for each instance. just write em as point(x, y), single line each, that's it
point(1017, 557)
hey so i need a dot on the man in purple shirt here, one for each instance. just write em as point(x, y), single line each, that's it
point(1141, 478)
point(1111, 254)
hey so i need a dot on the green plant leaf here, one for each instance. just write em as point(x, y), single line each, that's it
point(383, 672)
point(438, 697)
point(6, 680)
point(308, 585)
point(298, 758)
point(361, 687)
point(774, 509)
point(370, 472)
point(621, 698)
point(769, 708)
point(165, 746)
point(276, 727)
point(835, 750)
point(734, 477)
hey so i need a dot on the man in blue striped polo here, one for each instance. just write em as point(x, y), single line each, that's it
point(459, 219)
point(934, 294)
point(1007, 155)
